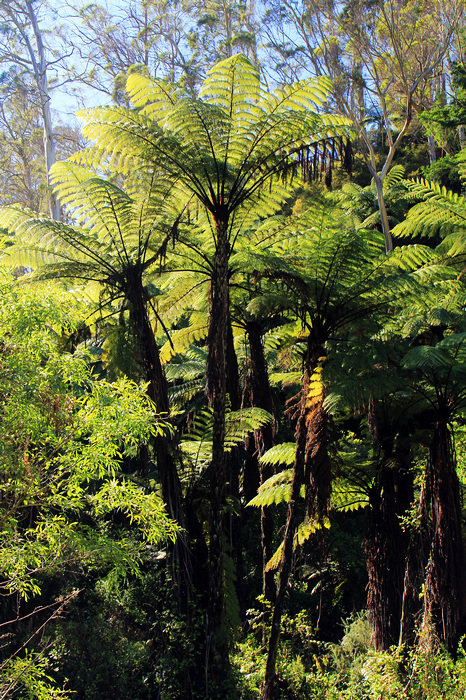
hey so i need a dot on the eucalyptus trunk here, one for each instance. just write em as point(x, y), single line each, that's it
point(383, 213)
point(39, 65)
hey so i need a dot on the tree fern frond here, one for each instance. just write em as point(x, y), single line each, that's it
point(440, 212)
point(182, 338)
point(181, 394)
point(305, 529)
point(186, 370)
point(277, 489)
point(394, 175)
point(285, 378)
point(346, 497)
point(197, 444)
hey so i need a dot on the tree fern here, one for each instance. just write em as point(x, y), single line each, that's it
point(439, 211)
point(229, 152)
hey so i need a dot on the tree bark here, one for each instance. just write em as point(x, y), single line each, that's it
point(158, 391)
point(308, 446)
point(261, 396)
point(385, 548)
point(386, 544)
point(383, 214)
point(234, 467)
point(444, 602)
point(40, 74)
point(216, 643)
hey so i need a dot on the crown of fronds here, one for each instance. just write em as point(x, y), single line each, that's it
point(113, 235)
point(223, 146)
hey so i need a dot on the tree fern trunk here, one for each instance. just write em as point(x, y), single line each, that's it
point(444, 602)
point(385, 563)
point(217, 649)
point(304, 443)
point(386, 544)
point(158, 392)
point(234, 467)
point(261, 396)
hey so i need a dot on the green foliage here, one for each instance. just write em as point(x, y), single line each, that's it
point(197, 444)
point(440, 212)
point(229, 148)
point(74, 510)
point(64, 436)
point(350, 670)
point(28, 678)
point(127, 638)
point(276, 489)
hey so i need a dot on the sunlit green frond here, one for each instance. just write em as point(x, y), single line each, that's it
point(410, 258)
point(160, 95)
point(182, 338)
point(347, 497)
point(182, 292)
point(234, 85)
point(439, 212)
point(185, 370)
point(305, 529)
point(394, 175)
point(280, 454)
point(277, 489)
point(224, 145)
point(285, 378)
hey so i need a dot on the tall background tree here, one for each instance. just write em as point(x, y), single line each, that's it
point(371, 53)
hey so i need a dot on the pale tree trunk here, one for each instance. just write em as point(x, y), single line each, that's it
point(431, 147)
point(39, 64)
point(383, 214)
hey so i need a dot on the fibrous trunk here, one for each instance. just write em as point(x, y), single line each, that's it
point(311, 464)
point(444, 601)
point(386, 544)
point(385, 549)
point(261, 396)
point(216, 652)
point(158, 392)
